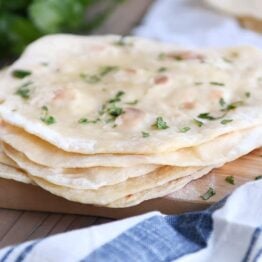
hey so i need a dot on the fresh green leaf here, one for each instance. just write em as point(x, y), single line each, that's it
point(210, 192)
point(104, 70)
point(19, 73)
point(162, 69)
point(145, 134)
point(46, 118)
point(216, 83)
point(222, 102)
point(226, 121)
point(160, 123)
point(52, 16)
point(247, 94)
point(24, 91)
point(198, 123)
point(230, 180)
point(184, 129)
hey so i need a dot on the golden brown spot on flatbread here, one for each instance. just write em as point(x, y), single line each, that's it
point(159, 80)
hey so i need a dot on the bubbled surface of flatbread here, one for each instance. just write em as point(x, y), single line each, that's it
point(76, 77)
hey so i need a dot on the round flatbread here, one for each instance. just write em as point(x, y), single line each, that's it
point(79, 178)
point(228, 147)
point(108, 194)
point(106, 94)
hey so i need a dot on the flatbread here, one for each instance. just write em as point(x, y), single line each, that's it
point(228, 147)
point(85, 178)
point(100, 78)
point(108, 194)
point(8, 172)
point(251, 8)
point(159, 191)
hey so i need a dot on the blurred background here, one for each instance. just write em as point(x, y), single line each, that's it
point(198, 23)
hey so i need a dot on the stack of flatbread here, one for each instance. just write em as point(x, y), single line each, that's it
point(114, 121)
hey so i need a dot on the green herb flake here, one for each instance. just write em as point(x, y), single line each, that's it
point(233, 105)
point(210, 192)
point(198, 83)
point(104, 70)
point(161, 56)
point(222, 102)
point(87, 121)
point(46, 118)
point(216, 83)
point(184, 129)
point(226, 121)
point(206, 116)
point(24, 91)
point(230, 180)
point(90, 79)
point(21, 73)
point(258, 177)
point(162, 69)
point(197, 123)
point(247, 94)
point(117, 97)
point(145, 134)
point(132, 102)
point(115, 111)
point(160, 123)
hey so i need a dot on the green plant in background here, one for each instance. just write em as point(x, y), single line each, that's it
point(22, 21)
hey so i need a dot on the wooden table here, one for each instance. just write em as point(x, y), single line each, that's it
point(18, 226)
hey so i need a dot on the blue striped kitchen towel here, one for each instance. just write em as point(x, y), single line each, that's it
point(228, 231)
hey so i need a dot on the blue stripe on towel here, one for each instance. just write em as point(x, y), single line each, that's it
point(159, 238)
point(26, 251)
point(252, 243)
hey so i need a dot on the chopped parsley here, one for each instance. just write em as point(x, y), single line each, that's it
point(117, 97)
point(90, 79)
point(132, 102)
point(210, 192)
point(115, 111)
point(162, 69)
point(230, 180)
point(233, 105)
point(87, 121)
point(160, 123)
point(46, 118)
point(258, 177)
point(103, 71)
point(24, 91)
point(145, 134)
point(222, 102)
point(247, 94)
point(184, 129)
point(111, 109)
point(226, 121)
point(21, 73)
point(198, 123)
point(216, 83)
point(122, 42)
point(206, 116)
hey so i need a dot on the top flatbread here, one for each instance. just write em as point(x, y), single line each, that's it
point(251, 8)
point(78, 78)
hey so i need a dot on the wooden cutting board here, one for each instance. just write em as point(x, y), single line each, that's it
point(14, 195)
